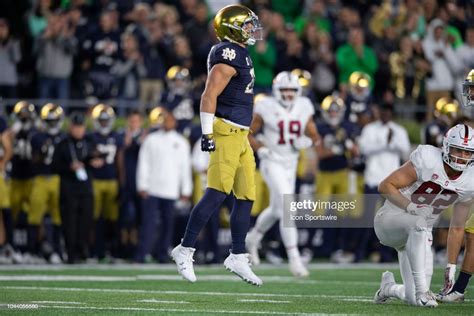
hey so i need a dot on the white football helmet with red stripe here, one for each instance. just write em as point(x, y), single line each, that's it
point(458, 147)
point(286, 88)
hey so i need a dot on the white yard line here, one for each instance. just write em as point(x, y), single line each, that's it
point(96, 278)
point(264, 301)
point(357, 300)
point(185, 293)
point(168, 277)
point(57, 302)
point(175, 310)
point(152, 300)
point(137, 291)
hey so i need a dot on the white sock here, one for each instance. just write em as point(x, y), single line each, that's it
point(289, 236)
point(397, 291)
point(407, 277)
point(429, 259)
point(416, 249)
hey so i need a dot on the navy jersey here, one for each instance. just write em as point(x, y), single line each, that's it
point(181, 106)
point(433, 133)
point(42, 147)
point(235, 103)
point(21, 160)
point(107, 146)
point(355, 107)
point(335, 136)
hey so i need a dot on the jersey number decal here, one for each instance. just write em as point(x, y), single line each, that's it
point(433, 194)
point(249, 88)
point(49, 152)
point(294, 128)
point(22, 149)
point(109, 150)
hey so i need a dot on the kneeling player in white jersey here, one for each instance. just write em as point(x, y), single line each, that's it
point(416, 193)
point(288, 126)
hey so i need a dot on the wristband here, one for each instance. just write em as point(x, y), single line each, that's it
point(207, 120)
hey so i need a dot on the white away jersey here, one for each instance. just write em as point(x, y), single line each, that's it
point(433, 187)
point(282, 125)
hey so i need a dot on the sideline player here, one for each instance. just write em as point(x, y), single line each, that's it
point(453, 292)
point(286, 118)
point(45, 188)
point(416, 194)
point(226, 114)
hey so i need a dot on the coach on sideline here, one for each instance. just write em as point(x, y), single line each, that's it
point(163, 177)
point(72, 160)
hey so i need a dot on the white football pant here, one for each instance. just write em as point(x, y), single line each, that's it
point(280, 178)
point(412, 238)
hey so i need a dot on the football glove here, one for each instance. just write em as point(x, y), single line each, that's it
point(301, 143)
point(449, 274)
point(263, 153)
point(422, 210)
point(207, 143)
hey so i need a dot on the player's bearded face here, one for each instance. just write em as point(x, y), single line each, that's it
point(461, 156)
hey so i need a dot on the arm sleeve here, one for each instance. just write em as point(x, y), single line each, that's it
point(143, 169)
point(186, 173)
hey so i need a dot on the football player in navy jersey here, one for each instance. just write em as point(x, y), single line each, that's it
point(106, 178)
point(226, 114)
point(22, 129)
point(338, 141)
point(45, 189)
point(177, 98)
point(445, 113)
point(359, 99)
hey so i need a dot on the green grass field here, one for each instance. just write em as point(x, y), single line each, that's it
point(146, 289)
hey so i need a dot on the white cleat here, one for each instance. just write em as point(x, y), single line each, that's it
point(381, 296)
point(453, 297)
point(55, 259)
point(240, 265)
point(252, 245)
point(297, 268)
point(426, 299)
point(183, 256)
